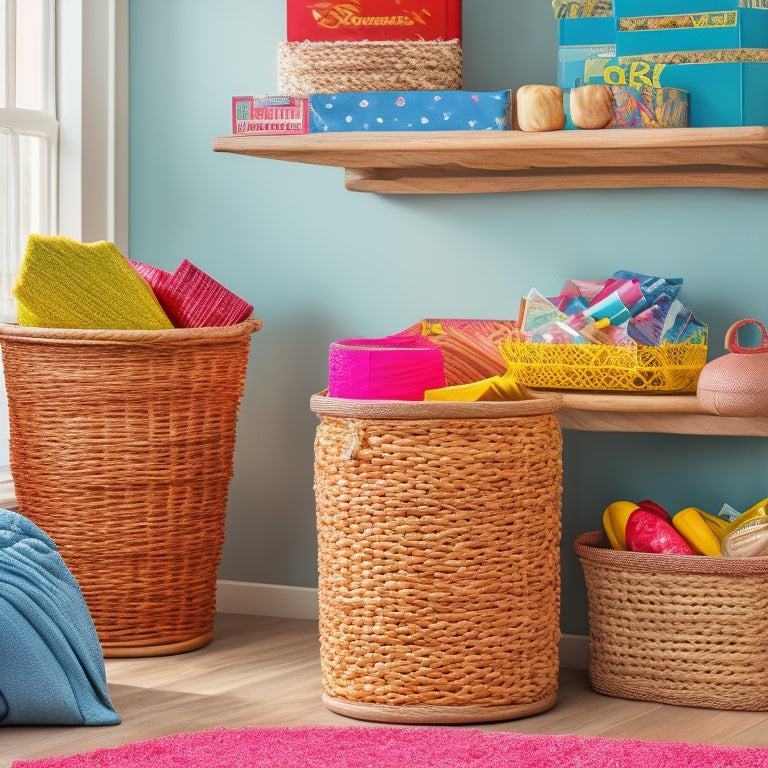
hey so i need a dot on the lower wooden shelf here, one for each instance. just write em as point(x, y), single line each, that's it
point(664, 413)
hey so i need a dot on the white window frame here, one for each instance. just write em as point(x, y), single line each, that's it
point(92, 39)
point(92, 96)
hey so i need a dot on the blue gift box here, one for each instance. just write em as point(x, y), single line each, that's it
point(410, 111)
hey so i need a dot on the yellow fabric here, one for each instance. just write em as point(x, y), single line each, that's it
point(63, 283)
point(690, 524)
point(494, 388)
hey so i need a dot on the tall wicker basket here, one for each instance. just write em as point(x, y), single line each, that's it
point(439, 570)
point(121, 450)
point(676, 629)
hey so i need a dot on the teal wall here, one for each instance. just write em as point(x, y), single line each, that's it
point(321, 263)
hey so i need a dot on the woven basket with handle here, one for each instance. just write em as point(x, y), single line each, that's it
point(121, 450)
point(676, 629)
point(439, 558)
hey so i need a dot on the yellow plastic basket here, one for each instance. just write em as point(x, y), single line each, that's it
point(665, 368)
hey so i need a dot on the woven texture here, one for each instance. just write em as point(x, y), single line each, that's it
point(676, 629)
point(602, 367)
point(438, 543)
point(306, 68)
point(121, 450)
point(63, 283)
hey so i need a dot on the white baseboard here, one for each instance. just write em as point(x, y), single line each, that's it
point(301, 603)
point(266, 600)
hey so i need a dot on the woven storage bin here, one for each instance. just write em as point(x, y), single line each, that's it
point(601, 367)
point(676, 629)
point(439, 562)
point(410, 65)
point(121, 450)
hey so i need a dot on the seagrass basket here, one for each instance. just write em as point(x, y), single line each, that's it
point(121, 450)
point(308, 67)
point(438, 558)
point(676, 629)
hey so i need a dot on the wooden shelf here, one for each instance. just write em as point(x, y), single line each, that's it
point(453, 162)
point(671, 414)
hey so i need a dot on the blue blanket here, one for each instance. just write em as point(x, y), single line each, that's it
point(51, 664)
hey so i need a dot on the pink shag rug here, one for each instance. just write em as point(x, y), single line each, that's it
point(391, 747)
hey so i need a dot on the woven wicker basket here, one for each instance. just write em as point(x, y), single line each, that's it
point(439, 562)
point(677, 629)
point(121, 450)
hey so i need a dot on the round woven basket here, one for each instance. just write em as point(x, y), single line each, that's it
point(308, 67)
point(439, 558)
point(121, 450)
point(676, 629)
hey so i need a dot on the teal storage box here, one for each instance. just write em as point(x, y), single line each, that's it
point(410, 111)
point(745, 28)
point(721, 94)
point(581, 40)
point(623, 8)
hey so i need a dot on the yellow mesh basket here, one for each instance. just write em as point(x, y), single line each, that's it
point(663, 368)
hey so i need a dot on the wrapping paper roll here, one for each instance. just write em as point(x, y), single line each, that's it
point(390, 368)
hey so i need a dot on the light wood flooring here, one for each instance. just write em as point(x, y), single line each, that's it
point(260, 671)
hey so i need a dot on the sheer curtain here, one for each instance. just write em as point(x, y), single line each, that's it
point(28, 150)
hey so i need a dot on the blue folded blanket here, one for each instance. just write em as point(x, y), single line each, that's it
point(51, 664)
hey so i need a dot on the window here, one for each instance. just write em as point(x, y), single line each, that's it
point(28, 134)
point(28, 153)
point(63, 88)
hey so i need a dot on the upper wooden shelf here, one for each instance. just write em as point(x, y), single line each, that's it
point(460, 162)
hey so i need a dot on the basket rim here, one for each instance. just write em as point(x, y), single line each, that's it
point(593, 547)
point(11, 331)
point(323, 405)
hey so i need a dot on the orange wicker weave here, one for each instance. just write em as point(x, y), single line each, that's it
point(676, 629)
point(439, 571)
point(121, 450)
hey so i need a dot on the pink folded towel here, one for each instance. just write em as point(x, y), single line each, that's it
point(192, 298)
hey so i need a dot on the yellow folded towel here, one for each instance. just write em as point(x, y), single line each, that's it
point(63, 283)
point(494, 388)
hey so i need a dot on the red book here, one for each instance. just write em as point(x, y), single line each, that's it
point(382, 20)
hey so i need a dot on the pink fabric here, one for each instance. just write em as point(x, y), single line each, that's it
point(404, 747)
point(391, 368)
point(193, 299)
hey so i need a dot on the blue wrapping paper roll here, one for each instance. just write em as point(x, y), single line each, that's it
point(390, 368)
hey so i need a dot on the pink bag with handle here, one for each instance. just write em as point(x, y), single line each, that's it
point(736, 384)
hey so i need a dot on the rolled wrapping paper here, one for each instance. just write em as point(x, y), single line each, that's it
point(390, 368)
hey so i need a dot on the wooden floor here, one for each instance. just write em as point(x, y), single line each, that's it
point(261, 671)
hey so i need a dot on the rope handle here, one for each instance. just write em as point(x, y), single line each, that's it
point(732, 338)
